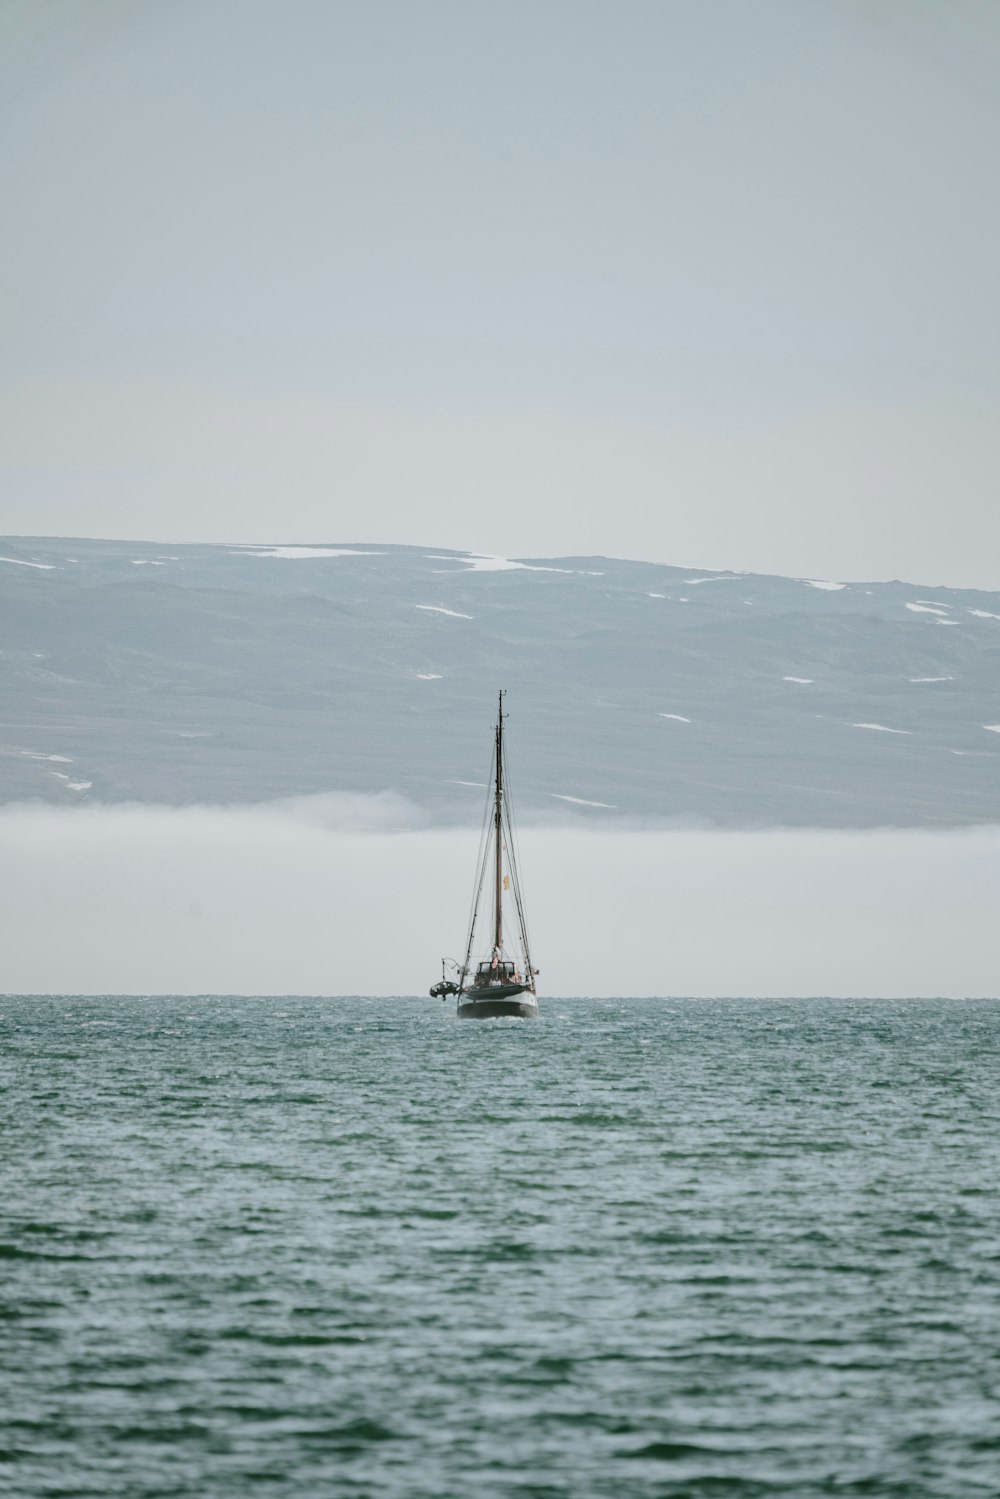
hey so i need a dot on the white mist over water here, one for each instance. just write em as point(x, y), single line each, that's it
point(350, 895)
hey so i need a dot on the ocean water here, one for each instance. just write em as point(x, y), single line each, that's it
point(637, 1248)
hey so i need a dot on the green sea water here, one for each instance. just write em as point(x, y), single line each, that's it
point(307, 1247)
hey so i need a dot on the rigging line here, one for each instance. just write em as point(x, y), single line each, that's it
point(515, 850)
point(482, 857)
point(512, 861)
point(475, 912)
point(477, 887)
point(522, 918)
point(479, 858)
point(512, 873)
point(512, 869)
point(515, 846)
point(515, 862)
point(466, 969)
point(518, 900)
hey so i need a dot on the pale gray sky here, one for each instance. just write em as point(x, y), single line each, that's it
point(711, 282)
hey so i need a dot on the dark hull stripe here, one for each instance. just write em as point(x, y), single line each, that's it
point(490, 1009)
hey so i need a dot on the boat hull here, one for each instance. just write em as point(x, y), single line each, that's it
point(503, 1000)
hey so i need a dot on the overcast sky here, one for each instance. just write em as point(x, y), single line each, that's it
point(709, 282)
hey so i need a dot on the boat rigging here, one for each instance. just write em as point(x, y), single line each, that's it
point(500, 980)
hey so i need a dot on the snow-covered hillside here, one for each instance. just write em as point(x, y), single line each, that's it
point(223, 673)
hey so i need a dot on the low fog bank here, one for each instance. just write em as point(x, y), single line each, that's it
point(351, 896)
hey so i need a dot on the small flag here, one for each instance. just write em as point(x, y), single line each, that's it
point(506, 882)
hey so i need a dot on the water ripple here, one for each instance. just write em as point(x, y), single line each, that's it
point(632, 1251)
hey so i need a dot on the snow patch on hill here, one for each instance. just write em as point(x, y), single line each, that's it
point(295, 553)
point(581, 801)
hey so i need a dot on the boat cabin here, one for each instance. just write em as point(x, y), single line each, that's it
point(503, 972)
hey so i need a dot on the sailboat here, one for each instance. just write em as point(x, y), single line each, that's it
point(501, 979)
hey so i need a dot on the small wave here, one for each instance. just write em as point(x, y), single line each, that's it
point(352, 1436)
point(669, 1452)
point(291, 1339)
point(510, 1249)
point(168, 1434)
point(15, 1252)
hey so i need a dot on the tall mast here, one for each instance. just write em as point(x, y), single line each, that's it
point(498, 833)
